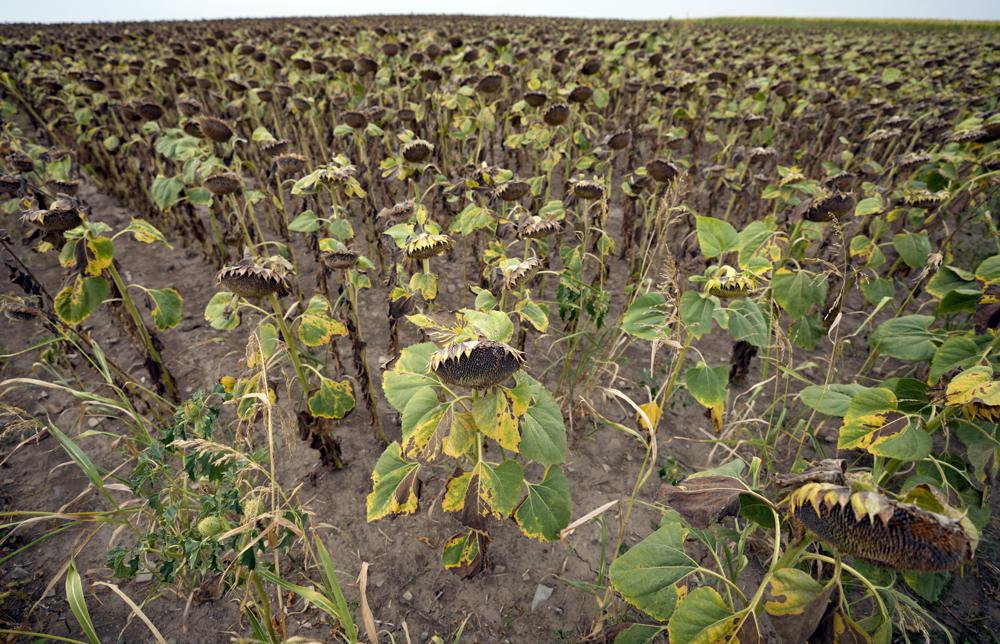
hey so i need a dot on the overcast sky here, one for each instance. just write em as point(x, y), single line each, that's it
point(99, 10)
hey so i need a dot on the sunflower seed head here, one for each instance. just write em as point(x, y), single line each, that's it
point(477, 364)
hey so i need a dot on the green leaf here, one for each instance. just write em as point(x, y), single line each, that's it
point(547, 508)
point(748, 323)
point(696, 312)
point(601, 98)
point(876, 289)
point(914, 248)
point(168, 309)
point(78, 603)
point(493, 325)
point(543, 433)
point(907, 338)
point(752, 237)
point(221, 311)
point(305, 222)
point(646, 316)
point(166, 191)
point(832, 400)
point(911, 444)
point(988, 270)
point(951, 278)
point(707, 384)
point(869, 206)
point(426, 284)
point(701, 617)
point(400, 387)
point(807, 332)
point(74, 303)
point(647, 573)
point(393, 485)
point(929, 585)
point(798, 291)
point(954, 353)
point(199, 196)
point(715, 236)
point(334, 399)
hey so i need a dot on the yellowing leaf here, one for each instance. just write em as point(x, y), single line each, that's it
point(653, 412)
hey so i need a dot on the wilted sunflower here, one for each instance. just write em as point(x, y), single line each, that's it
point(417, 151)
point(65, 186)
point(987, 315)
point(275, 148)
point(290, 163)
point(587, 189)
point(215, 129)
point(427, 245)
point(339, 256)
point(556, 114)
point(662, 170)
point(828, 208)
point(729, 283)
point(223, 184)
point(61, 215)
point(9, 184)
point(397, 212)
point(511, 190)
point(924, 198)
point(871, 526)
point(518, 273)
point(477, 364)
point(252, 281)
point(535, 227)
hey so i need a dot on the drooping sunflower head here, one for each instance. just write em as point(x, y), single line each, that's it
point(417, 151)
point(477, 364)
point(862, 522)
point(62, 215)
point(830, 207)
point(517, 272)
point(511, 190)
point(338, 256)
point(535, 227)
point(248, 279)
point(215, 129)
point(730, 283)
point(588, 189)
point(426, 245)
point(223, 184)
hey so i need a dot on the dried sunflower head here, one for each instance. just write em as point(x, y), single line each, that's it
point(215, 129)
point(252, 281)
point(987, 315)
point(588, 190)
point(662, 170)
point(356, 120)
point(535, 227)
point(831, 207)
point(339, 257)
point(556, 114)
point(61, 215)
point(188, 106)
point(273, 149)
point(862, 522)
point(427, 245)
point(535, 99)
point(397, 212)
point(290, 163)
point(223, 184)
point(518, 272)
point(924, 198)
point(9, 184)
point(65, 186)
point(417, 151)
point(511, 190)
point(477, 364)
